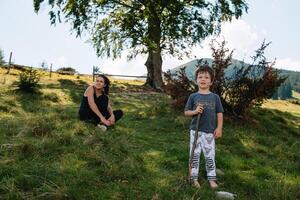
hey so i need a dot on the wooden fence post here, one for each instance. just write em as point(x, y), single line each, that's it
point(9, 63)
point(50, 70)
point(93, 73)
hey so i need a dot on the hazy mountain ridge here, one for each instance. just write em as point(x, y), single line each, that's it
point(293, 76)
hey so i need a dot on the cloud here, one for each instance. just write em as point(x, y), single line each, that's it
point(197, 52)
point(241, 37)
point(62, 61)
point(288, 63)
point(274, 3)
point(122, 66)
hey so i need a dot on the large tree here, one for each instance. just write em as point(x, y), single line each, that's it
point(153, 27)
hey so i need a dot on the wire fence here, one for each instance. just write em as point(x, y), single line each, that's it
point(96, 70)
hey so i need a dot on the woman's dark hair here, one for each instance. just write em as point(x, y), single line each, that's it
point(106, 84)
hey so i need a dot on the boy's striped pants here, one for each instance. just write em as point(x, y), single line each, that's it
point(205, 143)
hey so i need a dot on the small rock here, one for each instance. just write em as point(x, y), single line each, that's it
point(220, 172)
point(225, 195)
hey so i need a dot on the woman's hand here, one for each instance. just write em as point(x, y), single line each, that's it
point(112, 119)
point(105, 121)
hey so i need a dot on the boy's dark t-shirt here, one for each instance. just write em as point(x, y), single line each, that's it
point(212, 105)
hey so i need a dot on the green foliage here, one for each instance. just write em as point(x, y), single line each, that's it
point(116, 25)
point(145, 27)
point(29, 80)
point(284, 91)
point(293, 77)
point(66, 70)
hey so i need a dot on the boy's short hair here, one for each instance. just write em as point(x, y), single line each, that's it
point(203, 69)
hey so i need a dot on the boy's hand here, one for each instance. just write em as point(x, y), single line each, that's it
point(218, 133)
point(199, 109)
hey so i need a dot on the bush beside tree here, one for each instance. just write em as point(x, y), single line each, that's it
point(246, 87)
point(179, 88)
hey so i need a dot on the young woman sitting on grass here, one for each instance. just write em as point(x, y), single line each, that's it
point(95, 107)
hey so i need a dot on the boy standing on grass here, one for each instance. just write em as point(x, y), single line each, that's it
point(209, 106)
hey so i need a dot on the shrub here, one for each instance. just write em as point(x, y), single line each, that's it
point(244, 87)
point(251, 84)
point(29, 80)
point(179, 87)
point(66, 70)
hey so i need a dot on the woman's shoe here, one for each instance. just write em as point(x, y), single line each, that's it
point(102, 127)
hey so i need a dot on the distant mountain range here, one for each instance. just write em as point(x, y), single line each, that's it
point(293, 76)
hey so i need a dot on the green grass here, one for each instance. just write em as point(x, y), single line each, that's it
point(296, 95)
point(47, 153)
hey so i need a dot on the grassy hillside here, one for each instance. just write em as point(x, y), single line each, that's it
point(47, 153)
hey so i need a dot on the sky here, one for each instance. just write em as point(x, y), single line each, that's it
point(33, 40)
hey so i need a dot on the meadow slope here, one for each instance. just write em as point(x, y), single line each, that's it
point(47, 153)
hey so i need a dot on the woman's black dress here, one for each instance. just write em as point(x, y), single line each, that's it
point(87, 114)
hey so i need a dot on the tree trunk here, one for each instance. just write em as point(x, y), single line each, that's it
point(154, 60)
point(154, 68)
